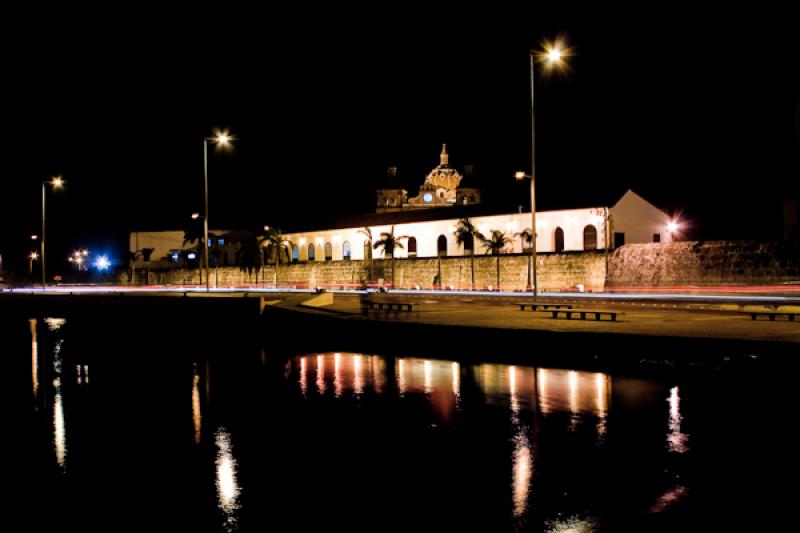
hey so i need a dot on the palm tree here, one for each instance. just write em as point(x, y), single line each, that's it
point(275, 246)
point(145, 254)
point(367, 233)
point(526, 235)
point(193, 233)
point(249, 253)
point(132, 257)
point(466, 233)
point(389, 242)
point(494, 246)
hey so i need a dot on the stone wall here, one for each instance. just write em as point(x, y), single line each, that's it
point(555, 272)
point(704, 263)
point(633, 265)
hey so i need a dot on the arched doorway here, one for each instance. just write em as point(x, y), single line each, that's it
point(310, 252)
point(412, 247)
point(590, 238)
point(558, 238)
point(328, 251)
point(346, 250)
point(441, 246)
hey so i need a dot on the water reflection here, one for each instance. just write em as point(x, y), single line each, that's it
point(573, 524)
point(456, 381)
point(59, 425)
point(227, 486)
point(59, 429)
point(82, 374)
point(522, 454)
point(585, 396)
point(338, 386)
point(358, 372)
point(676, 440)
point(197, 415)
point(579, 393)
point(320, 382)
point(401, 376)
point(34, 357)
point(304, 376)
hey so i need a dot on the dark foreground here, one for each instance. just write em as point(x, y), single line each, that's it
point(192, 424)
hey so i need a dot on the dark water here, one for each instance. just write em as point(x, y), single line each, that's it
point(131, 429)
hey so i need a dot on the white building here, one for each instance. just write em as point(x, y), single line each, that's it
point(428, 222)
point(431, 233)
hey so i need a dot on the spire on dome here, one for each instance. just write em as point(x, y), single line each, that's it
point(444, 156)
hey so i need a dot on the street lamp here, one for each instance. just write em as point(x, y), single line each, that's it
point(552, 57)
point(221, 139)
point(57, 183)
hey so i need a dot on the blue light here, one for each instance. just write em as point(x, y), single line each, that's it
point(192, 255)
point(102, 263)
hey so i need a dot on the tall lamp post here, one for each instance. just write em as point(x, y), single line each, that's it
point(221, 139)
point(57, 183)
point(552, 56)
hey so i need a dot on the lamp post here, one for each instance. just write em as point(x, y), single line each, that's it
point(552, 56)
point(57, 183)
point(221, 139)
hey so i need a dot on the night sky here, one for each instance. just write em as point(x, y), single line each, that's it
point(694, 111)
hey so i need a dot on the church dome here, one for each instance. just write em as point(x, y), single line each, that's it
point(444, 176)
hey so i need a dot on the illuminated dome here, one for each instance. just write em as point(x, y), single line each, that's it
point(444, 177)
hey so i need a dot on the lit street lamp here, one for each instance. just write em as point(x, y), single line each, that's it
point(57, 183)
point(221, 139)
point(552, 57)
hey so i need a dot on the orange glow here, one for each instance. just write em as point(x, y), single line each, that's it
point(338, 386)
point(197, 416)
point(553, 54)
point(358, 372)
point(321, 375)
point(304, 376)
point(456, 380)
point(34, 357)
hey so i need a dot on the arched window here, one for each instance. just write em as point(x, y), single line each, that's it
point(441, 246)
point(558, 237)
point(328, 251)
point(346, 251)
point(590, 238)
point(310, 252)
point(367, 250)
point(412, 247)
point(295, 253)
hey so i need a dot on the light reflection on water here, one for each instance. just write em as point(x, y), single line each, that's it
point(34, 357)
point(585, 396)
point(227, 487)
point(59, 424)
point(676, 439)
point(522, 455)
point(197, 415)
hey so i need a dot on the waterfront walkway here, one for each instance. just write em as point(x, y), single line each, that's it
point(653, 318)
